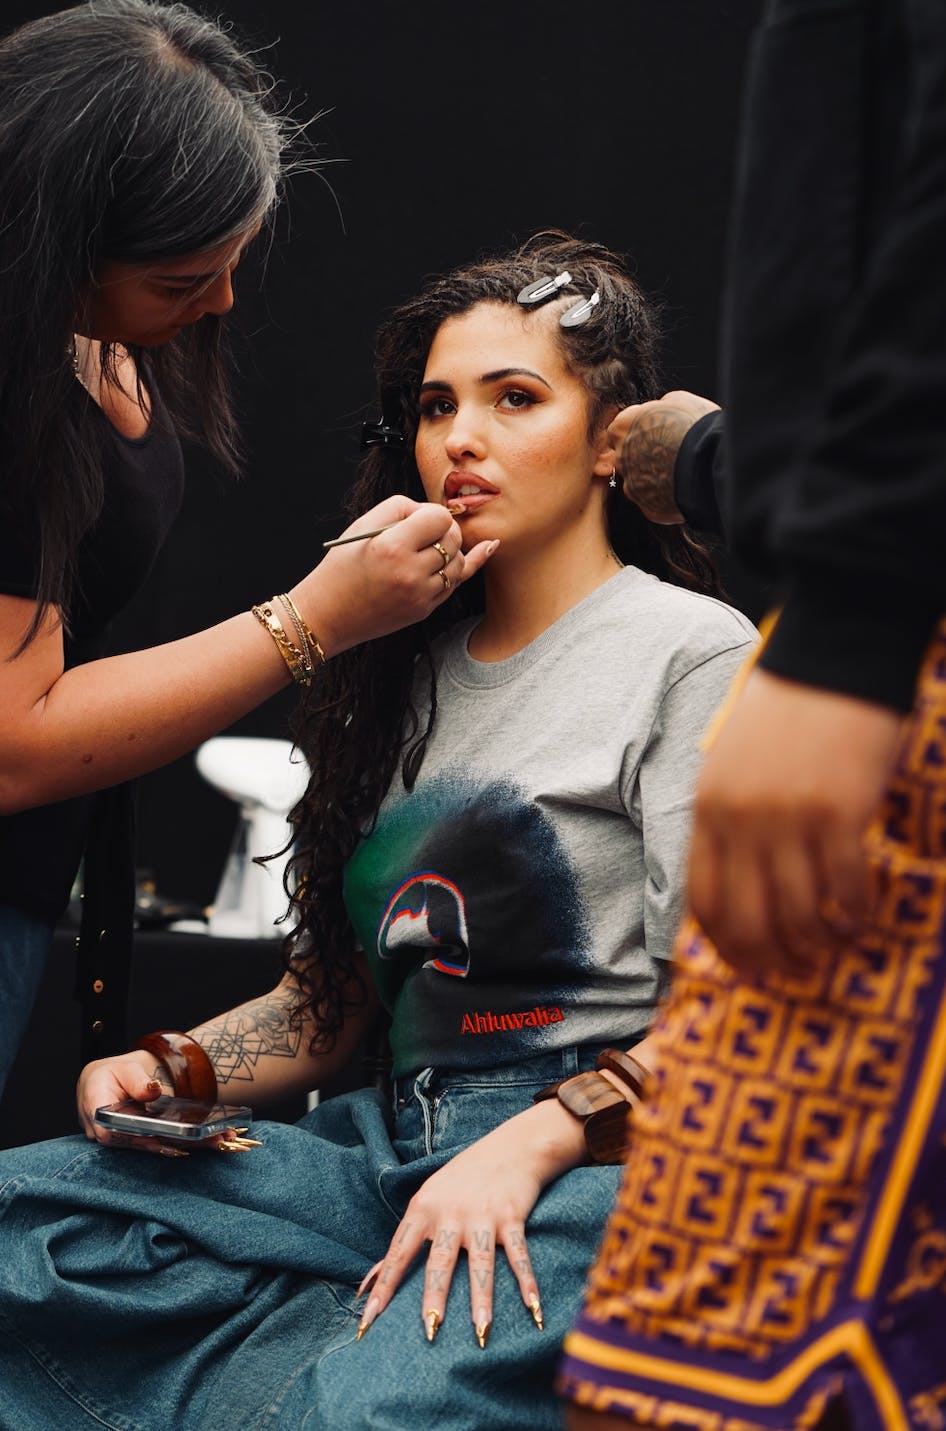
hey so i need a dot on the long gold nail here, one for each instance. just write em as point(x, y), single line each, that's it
point(536, 1309)
point(482, 1333)
point(174, 1152)
point(433, 1320)
point(367, 1317)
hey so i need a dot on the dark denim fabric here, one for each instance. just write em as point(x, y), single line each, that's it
point(24, 944)
point(218, 1293)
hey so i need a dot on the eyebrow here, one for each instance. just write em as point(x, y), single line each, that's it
point(437, 385)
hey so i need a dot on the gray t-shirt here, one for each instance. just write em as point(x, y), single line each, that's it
point(525, 894)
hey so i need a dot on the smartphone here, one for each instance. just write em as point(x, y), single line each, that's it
point(186, 1119)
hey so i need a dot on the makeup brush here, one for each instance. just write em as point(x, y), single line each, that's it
point(452, 508)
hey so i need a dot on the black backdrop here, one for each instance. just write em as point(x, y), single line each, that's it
point(451, 129)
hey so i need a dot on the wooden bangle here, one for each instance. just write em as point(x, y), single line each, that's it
point(190, 1070)
point(626, 1070)
point(605, 1113)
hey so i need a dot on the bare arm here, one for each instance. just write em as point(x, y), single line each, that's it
point(64, 733)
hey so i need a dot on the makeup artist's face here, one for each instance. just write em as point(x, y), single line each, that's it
point(149, 303)
point(504, 425)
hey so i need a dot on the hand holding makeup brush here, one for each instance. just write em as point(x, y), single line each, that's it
point(414, 545)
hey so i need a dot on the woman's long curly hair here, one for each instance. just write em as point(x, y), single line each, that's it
point(361, 723)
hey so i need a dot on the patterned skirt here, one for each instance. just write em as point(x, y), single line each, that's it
point(779, 1239)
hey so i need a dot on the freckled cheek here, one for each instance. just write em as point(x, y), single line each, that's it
point(537, 458)
point(427, 471)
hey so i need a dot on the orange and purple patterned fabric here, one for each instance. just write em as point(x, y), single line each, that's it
point(780, 1235)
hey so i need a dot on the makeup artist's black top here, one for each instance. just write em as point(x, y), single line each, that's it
point(40, 849)
point(835, 350)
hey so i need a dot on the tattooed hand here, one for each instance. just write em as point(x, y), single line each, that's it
point(479, 1202)
point(647, 438)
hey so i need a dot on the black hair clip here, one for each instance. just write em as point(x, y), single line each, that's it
point(380, 433)
point(385, 431)
point(542, 289)
point(580, 312)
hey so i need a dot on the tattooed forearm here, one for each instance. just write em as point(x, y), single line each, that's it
point(265, 1029)
point(648, 454)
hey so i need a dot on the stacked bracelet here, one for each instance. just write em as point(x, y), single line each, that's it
point(300, 659)
point(307, 637)
point(187, 1063)
point(602, 1099)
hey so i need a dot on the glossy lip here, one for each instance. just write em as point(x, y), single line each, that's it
point(456, 480)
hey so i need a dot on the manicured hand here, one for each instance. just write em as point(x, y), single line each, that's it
point(367, 589)
point(479, 1203)
point(111, 1080)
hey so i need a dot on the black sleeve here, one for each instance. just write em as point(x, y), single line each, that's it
point(18, 564)
point(698, 475)
point(856, 533)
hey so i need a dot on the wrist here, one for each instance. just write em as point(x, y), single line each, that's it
point(185, 1063)
point(600, 1101)
point(313, 598)
point(556, 1140)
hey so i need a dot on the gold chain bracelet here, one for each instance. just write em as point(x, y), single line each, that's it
point(306, 636)
point(298, 662)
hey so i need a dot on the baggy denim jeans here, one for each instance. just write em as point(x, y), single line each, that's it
point(216, 1293)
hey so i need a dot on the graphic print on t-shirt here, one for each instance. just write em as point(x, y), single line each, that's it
point(469, 909)
point(427, 907)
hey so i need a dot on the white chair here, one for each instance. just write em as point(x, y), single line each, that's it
point(266, 778)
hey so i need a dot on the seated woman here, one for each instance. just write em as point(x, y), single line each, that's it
point(492, 848)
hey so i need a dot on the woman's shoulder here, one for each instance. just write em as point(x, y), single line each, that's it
point(685, 627)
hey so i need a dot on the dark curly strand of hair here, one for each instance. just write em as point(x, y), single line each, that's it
point(363, 724)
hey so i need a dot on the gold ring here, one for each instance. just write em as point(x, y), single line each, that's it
point(447, 558)
point(447, 583)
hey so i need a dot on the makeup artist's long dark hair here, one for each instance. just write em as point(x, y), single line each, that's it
point(129, 131)
point(361, 723)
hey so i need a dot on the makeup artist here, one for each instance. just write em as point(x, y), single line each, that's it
point(140, 154)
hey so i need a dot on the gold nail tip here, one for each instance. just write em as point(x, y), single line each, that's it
point(536, 1309)
point(173, 1152)
point(433, 1320)
point(482, 1333)
point(361, 1330)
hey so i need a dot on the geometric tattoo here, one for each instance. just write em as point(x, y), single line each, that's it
point(236, 1042)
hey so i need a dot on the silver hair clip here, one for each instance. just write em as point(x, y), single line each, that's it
point(579, 312)
point(542, 289)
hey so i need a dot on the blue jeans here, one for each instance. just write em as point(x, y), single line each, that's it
point(217, 1293)
point(24, 945)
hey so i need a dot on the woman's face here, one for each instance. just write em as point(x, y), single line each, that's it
point(503, 425)
point(149, 303)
